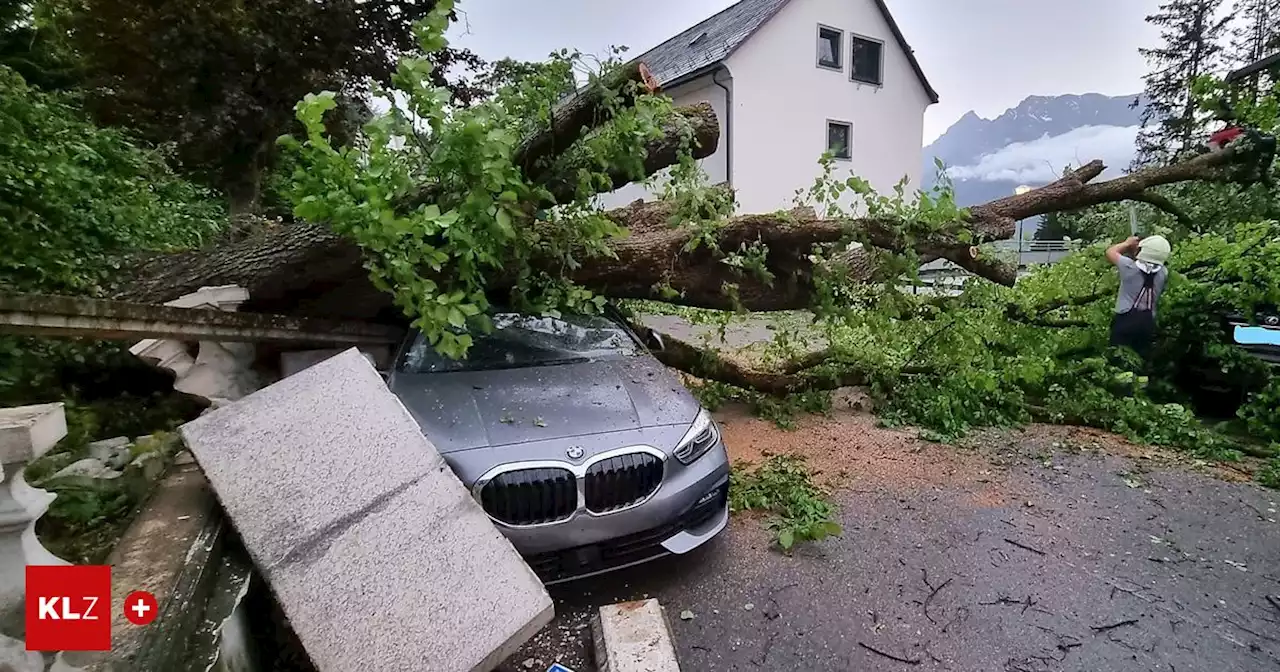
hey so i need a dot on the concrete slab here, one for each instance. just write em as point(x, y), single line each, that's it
point(634, 637)
point(378, 555)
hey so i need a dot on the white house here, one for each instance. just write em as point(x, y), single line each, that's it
point(790, 79)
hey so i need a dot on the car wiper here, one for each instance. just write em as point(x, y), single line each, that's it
point(561, 360)
point(499, 366)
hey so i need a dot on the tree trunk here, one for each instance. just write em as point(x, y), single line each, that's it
point(244, 191)
point(307, 270)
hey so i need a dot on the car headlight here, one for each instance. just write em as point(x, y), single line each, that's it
point(698, 440)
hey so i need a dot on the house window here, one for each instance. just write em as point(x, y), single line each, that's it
point(840, 139)
point(867, 60)
point(830, 48)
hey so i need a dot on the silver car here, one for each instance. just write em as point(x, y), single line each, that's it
point(584, 450)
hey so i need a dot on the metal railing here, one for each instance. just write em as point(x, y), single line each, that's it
point(1027, 253)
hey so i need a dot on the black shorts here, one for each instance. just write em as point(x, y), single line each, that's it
point(1135, 329)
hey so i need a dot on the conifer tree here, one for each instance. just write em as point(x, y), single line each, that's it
point(1255, 34)
point(1192, 34)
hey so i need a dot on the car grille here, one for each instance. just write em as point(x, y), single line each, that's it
point(567, 564)
point(621, 481)
point(531, 496)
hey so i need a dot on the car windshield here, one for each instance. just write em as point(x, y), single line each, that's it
point(526, 340)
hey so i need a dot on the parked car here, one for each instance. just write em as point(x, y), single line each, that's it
point(1260, 337)
point(1218, 393)
point(585, 451)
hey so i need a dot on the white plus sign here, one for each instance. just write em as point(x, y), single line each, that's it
point(141, 608)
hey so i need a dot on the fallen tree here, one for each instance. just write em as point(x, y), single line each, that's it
point(307, 268)
point(484, 206)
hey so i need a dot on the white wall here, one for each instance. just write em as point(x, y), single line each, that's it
point(782, 101)
point(696, 91)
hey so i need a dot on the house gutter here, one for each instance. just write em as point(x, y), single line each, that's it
point(728, 121)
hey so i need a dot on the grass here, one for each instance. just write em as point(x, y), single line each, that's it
point(784, 488)
point(1270, 474)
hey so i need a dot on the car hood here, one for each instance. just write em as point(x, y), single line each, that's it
point(476, 409)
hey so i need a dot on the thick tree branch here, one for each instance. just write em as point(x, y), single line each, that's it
point(695, 124)
point(1162, 203)
point(1074, 191)
point(711, 365)
point(582, 111)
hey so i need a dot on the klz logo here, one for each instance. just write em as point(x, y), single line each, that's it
point(69, 608)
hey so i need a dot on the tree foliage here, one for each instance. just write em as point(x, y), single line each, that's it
point(27, 46)
point(219, 78)
point(484, 217)
point(77, 200)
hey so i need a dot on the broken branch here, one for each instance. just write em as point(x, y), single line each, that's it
point(710, 365)
point(890, 656)
point(932, 593)
point(697, 121)
point(582, 111)
point(1113, 626)
point(1024, 547)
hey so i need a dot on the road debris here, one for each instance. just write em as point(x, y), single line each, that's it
point(890, 656)
point(1097, 629)
point(1024, 547)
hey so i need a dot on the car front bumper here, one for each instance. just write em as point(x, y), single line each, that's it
point(689, 508)
point(686, 532)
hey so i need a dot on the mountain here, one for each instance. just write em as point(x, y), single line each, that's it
point(1030, 144)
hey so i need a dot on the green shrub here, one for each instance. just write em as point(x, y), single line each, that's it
point(76, 199)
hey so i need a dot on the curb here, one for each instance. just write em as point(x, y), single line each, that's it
point(634, 637)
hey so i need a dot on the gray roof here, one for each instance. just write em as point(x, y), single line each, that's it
point(712, 41)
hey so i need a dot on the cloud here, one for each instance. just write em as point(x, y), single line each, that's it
point(1042, 160)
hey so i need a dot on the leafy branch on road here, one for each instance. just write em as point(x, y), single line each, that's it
point(784, 487)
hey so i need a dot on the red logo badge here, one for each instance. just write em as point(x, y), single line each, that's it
point(140, 607)
point(68, 608)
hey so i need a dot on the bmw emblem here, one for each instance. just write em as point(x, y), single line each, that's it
point(575, 453)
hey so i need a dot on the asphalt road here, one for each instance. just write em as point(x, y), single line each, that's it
point(1028, 557)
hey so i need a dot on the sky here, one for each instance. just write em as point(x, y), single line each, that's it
point(981, 55)
point(1042, 160)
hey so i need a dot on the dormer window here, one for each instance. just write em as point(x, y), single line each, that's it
point(830, 48)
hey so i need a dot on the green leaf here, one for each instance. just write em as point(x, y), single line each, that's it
point(457, 318)
point(832, 528)
point(503, 219)
point(786, 539)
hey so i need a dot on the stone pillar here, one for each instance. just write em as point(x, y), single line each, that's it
point(26, 432)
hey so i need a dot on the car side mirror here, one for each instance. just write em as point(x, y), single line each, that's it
point(655, 341)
